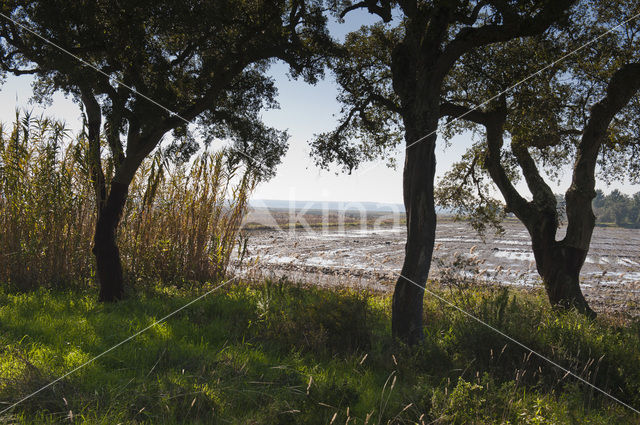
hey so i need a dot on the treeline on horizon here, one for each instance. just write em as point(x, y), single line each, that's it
point(617, 208)
point(614, 209)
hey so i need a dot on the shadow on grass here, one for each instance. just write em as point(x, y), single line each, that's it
point(282, 353)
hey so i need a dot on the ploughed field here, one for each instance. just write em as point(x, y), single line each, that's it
point(372, 256)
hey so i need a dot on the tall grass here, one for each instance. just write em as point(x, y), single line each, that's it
point(181, 222)
point(281, 353)
point(46, 210)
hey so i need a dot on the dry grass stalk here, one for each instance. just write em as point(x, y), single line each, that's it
point(181, 222)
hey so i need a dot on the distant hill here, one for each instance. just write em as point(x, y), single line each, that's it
point(326, 205)
point(379, 207)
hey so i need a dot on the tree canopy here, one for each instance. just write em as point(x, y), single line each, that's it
point(578, 115)
point(144, 69)
point(203, 62)
point(548, 113)
point(392, 77)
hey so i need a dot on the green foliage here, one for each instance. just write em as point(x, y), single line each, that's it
point(370, 126)
point(181, 222)
point(250, 354)
point(204, 61)
point(465, 190)
point(391, 74)
point(546, 116)
point(618, 208)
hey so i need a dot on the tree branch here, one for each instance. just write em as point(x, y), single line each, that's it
point(473, 16)
point(514, 26)
point(455, 111)
point(624, 84)
point(494, 124)
point(543, 196)
point(383, 10)
point(94, 120)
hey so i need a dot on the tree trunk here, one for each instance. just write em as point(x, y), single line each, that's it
point(559, 268)
point(105, 246)
point(408, 297)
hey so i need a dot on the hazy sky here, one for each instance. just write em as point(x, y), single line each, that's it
point(305, 110)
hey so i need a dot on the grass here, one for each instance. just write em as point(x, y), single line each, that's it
point(279, 353)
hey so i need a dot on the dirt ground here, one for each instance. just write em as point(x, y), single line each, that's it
point(371, 256)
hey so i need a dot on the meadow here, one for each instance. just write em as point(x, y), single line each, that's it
point(283, 353)
point(257, 351)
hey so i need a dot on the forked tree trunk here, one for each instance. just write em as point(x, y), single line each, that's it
point(408, 297)
point(105, 246)
point(559, 266)
point(558, 262)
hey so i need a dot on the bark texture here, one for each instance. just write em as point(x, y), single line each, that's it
point(558, 262)
point(105, 246)
point(559, 266)
point(407, 306)
point(420, 62)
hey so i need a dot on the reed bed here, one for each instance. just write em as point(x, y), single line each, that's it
point(181, 221)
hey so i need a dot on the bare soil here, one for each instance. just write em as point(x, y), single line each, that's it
point(370, 255)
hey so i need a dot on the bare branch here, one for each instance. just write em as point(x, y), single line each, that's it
point(383, 10)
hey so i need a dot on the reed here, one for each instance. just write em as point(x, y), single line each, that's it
point(181, 222)
point(46, 212)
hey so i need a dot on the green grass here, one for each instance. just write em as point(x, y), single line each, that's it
point(285, 354)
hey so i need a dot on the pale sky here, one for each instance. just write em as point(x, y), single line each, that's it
point(304, 111)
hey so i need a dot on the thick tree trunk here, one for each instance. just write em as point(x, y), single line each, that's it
point(559, 268)
point(105, 246)
point(408, 297)
point(558, 263)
